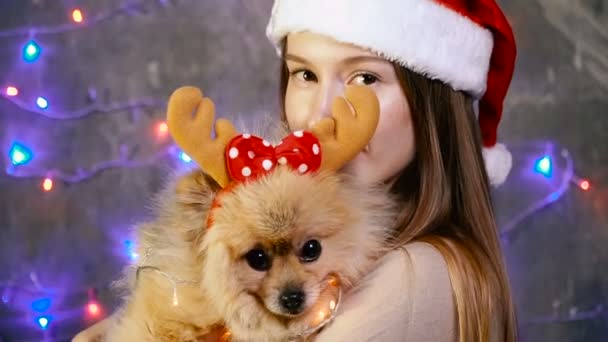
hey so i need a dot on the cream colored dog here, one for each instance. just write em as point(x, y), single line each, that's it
point(253, 255)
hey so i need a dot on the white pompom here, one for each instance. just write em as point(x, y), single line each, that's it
point(498, 162)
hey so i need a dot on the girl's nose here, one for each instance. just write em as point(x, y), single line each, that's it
point(324, 97)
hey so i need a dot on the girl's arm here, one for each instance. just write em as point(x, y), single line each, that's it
point(407, 298)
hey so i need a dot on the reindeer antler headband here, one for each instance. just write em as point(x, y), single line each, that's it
point(332, 142)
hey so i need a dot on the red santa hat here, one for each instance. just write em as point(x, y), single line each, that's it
point(467, 44)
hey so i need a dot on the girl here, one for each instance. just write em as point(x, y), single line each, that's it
point(440, 69)
point(431, 64)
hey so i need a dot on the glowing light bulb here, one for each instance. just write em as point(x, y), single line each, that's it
point(47, 185)
point(41, 305)
point(225, 336)
point(12, 91)
point(332, 304)
point(5, 297)
point(185, 157)
point(42, 103)
point(130, 246)
point(585, 185)
point(43, 322)
point(77, 15)
point(332, 281)
point(20, 154)
point(31, 51)
point(175, 299)
point(162, 130)
point(543, 166)
point(93, 308)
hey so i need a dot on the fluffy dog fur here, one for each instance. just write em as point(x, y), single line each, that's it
point(252, 270)
point(277, 213)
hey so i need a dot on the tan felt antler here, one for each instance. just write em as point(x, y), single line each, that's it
point(347, 132)
point(190, 118)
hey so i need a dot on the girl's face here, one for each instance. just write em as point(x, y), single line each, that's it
point(319, 70)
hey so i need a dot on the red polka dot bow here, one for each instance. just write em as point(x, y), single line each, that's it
point(249, 157)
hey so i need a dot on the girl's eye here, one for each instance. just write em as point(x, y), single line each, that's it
point(304, 75)
point(365, 79)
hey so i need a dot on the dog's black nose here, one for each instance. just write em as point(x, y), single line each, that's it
point(292, 300)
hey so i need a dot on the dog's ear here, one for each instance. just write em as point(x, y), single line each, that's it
point(195, 190)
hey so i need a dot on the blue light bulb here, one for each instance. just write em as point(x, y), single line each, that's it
point(130, 250)
point(20, 154)
point(185, 157)
point(42, 103)
point(43, 322)
point(31, 51)
point(41, 305)
point(543, 166)
point(133, 256)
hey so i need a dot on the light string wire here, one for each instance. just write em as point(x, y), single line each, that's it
point(81, 175)
point(174, 281)
point(94, 108)
point(512, 226)
point(126, 8)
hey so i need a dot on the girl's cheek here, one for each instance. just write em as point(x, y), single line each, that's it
point(298, 107)
point(294, 110)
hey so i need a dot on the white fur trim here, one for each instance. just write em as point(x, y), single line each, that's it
point(498, 162)
point(421, 35)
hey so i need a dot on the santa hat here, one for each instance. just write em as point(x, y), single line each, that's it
point(467, 44)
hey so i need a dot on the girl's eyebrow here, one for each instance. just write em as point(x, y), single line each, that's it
point(361, 59)
point(296, 59)
point(347, 61)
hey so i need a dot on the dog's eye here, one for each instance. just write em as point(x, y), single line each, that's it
point(258, 260)
point(311, 251)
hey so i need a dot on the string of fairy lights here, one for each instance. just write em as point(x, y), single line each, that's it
point(20, 154)
point(42, 311)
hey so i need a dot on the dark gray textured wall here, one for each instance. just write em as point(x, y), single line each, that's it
point(560, 93)
point(73, 236)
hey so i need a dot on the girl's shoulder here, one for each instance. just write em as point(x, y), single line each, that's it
point(420, 254)
point(425, 277)
point(424, 290)
point(425, 266)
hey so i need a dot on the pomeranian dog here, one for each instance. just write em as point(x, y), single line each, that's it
point(248, 242)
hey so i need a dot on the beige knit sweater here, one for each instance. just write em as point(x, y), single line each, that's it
point(407, 298)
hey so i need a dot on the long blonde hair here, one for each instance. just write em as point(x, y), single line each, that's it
point(446, 202)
